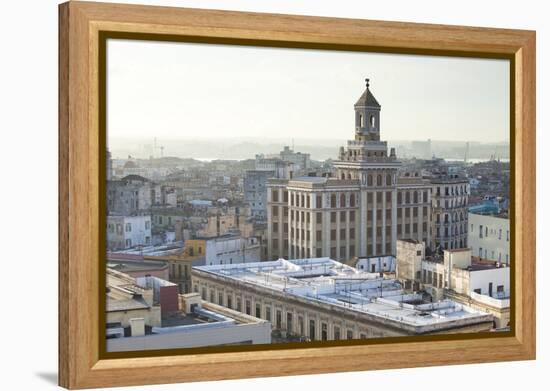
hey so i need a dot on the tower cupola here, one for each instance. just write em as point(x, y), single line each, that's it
point(367, 116)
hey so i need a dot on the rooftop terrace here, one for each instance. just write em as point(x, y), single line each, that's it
point(326, 281)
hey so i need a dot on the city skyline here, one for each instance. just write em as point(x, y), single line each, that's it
point(368, 243)
point(243, 148)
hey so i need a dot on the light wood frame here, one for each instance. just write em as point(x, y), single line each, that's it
point(80, 23)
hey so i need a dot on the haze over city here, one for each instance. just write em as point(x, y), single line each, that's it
point(268, 196)
point(189, 91)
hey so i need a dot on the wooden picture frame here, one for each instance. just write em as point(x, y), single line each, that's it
point(81, 165)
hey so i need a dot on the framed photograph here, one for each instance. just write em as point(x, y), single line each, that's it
point(249, 195)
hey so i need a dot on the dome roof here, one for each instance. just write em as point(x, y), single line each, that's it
point(130, 164)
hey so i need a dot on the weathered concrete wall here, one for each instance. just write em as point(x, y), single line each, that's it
point(152, 316)
point(489, 237)
point(254, 333)
point(409, 259)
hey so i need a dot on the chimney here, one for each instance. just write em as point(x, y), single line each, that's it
point(137, 327)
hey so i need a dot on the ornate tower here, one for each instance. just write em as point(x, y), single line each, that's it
point(366, 159)
point(367, 116)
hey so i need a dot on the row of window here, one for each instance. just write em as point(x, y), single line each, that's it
point(351, 200)
point(485, 230)
point(277, 322)
point(483, 253)
point(417, 197)
point(452, 190)
point(127, 227)
point(181, 272)
point(301, 200)
point(450, 218)
point(305, 217)
point(407, 229)
point(452, 244)
point(305, 234)
point(432, 278)
point(128, 243)
point(453, 203)
point(414, 212)
point(454, 230)
point(379, 180)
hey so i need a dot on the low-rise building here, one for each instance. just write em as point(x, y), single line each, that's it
point(489, 237)
point(376, 264)
point(321, 299)
point(194, 323)
point(130, 195)
point(457, 276)
point(136, 266)
point(301, 161)
point(127, 300)
point(229, 249)
point(180, 263)
point(125, 232)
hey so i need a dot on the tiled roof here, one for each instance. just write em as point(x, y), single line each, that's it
point(367, 99)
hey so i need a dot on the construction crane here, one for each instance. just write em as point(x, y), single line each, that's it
point(155, 147)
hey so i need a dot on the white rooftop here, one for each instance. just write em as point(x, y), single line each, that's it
point(331, 282)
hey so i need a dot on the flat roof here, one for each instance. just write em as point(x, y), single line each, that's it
point(127, 265)
point(114, 305)
point(327, 281)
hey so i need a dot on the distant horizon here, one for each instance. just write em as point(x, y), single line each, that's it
point(166, 89)
point(289, 141)
point(242, 148)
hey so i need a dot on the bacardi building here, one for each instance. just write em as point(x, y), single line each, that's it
point(362, 211)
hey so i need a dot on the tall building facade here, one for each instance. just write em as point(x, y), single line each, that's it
point(255, 191)
point(450, 211)
point(363, 210)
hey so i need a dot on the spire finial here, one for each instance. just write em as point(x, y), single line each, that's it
point(368, 82)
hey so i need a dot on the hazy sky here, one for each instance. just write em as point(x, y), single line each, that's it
point(180, 90)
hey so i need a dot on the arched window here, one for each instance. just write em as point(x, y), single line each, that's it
point(372, 121)
point(333, 201)
point(415, 197)
point(349, 175)
point(369, 180)
point(343, 175)
point(352, 200)
point(446, 218)
point(342, 200)
point(379, 180)
point(361, 120)
point(407, 197)
point(388, 180)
